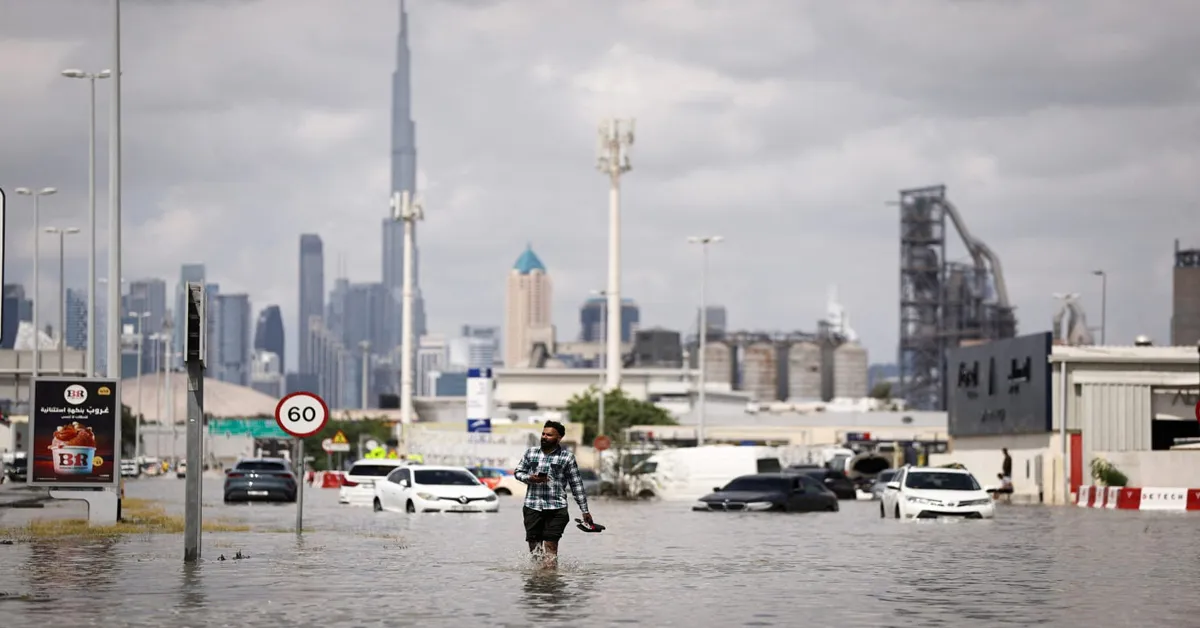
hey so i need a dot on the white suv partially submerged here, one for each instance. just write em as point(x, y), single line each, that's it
point(358, 485)
point(935, 492)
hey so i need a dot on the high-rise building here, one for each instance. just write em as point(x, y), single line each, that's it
point(312, 292)
point(432, 356)
point(592, 316)
point(364, 317)
point(17, 308)
point(404, 179)
point(76, 332)
point(193, 273)
point(1185, 299)
point(328, 360)
point(527, 311)
point(717, 322)
point(266, 373)
point(232, 340)
point(268, 332)
point(465, 353)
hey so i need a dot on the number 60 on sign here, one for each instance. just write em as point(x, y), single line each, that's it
point(301, 414)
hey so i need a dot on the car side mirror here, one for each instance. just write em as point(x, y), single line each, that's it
point(404, 483)
point(893, 486)
point(716, 489)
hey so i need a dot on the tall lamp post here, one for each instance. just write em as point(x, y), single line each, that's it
point(91, 296)
point(1103, 303)
point(603, 358)
point(704, 242)
point(114, 202)
point(37, 255)
point(62, 292)
point(140, 339)
point(366, 358)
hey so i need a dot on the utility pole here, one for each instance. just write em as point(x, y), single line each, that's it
point(406, 209)
point(615, 138)
point(195, 345)
point(701, 407)
point(37, 256)
point(114, 205)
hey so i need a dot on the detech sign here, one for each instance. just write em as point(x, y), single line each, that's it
point(1001, 387)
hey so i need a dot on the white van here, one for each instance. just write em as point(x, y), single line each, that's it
point(689, 473)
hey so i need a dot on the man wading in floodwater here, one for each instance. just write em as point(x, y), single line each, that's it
point(548, 470)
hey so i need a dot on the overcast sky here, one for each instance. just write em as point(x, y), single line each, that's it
point(1066, 133)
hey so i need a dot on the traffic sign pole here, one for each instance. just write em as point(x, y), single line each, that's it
point(301, 414)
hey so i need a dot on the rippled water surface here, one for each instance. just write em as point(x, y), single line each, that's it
point(658, 564)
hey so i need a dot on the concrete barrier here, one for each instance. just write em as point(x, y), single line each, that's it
point(1136, 498)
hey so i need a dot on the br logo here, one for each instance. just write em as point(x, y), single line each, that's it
point(75, 394)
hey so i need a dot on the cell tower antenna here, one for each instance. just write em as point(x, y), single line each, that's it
point(614, 138)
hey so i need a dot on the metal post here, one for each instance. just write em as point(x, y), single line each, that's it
point(114, 208)
point(195, 454)
point(37, 289)
point(1062, 428)
point(299, 466)
point(62, 301)
point(141, 339)
point(603, 390)
point(365, 379)
point(91, 294)
point(701, 399)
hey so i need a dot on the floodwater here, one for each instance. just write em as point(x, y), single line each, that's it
point(658, 564)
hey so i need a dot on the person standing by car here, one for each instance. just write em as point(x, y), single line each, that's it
point(1006, 472)
point(549, 470)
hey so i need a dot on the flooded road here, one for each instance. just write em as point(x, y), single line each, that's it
point(658, 564)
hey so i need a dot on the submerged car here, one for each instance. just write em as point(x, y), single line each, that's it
point(358, 484)
point(783, 492)
point(931, 493)
point(260, 479)
point(434, 489)
point(835, 481)
point(880, 484)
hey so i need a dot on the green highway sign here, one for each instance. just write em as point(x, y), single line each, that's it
point(254, 428)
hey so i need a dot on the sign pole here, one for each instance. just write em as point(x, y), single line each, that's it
point(301, 414)
point(299, 485)
point(195, 341)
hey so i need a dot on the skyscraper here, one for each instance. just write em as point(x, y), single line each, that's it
point(527, 315)
point(76, 332)
point(268, 332)
point(312, 292)
point(592, 315)
point(232, 342)
point(404, 179)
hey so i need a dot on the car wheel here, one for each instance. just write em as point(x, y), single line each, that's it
point(410, 507)
point(376, 506)
point(503, 491)
point(646, 494)
point(897, 511)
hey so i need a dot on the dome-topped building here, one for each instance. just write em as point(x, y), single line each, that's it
point(527, 311)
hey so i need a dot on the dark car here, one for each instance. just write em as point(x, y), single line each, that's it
point(260, 479)
point(835, 481)
point(782, 492)
point(16, 470)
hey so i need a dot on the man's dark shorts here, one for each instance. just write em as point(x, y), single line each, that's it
point(545, 525)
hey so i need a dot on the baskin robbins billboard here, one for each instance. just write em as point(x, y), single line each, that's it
point(75, 427)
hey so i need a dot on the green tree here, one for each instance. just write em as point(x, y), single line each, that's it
point(882, 391)
point(620, 412)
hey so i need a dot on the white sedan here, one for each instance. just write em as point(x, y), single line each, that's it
point(930, 493)
point(358, 485)
point(434, 489)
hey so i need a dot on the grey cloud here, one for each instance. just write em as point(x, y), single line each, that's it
point(783, 126)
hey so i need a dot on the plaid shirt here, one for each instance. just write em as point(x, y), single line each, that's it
point(563, 471)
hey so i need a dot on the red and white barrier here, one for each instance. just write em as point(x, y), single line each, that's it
point(1129, 498)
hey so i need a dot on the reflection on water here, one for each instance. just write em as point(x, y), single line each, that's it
point(656, 565)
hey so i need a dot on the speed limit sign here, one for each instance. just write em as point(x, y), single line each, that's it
point(301, 414)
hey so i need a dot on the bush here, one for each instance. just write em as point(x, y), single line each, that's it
point(1106, 474)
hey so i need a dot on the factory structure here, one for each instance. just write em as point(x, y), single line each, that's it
point(787, 366)
point(944, 304)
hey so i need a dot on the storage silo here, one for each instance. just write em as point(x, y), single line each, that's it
point(760, 375)
point(850, 371)
point(718, 364)
point(804, 371)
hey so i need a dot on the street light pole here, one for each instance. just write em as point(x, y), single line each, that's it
point(1103, 304)
point(704, 242)
point(114, 205)
point(141, 339)
point(365, 346)
point(91, 296)
point(603, 360)
point(62, 293)
point(37, 255)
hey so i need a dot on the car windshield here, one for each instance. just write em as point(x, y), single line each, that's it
point(941, 481)
point(371, 470)
point(261, 465)
point(588, 474)
point(886, 476)
point(755, 484)
point(444, 477)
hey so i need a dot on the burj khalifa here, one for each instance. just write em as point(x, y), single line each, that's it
point(404, 178)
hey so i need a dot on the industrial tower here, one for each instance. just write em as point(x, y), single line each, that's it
point(943, 304)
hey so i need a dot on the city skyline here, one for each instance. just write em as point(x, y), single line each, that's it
point(1045, 169)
